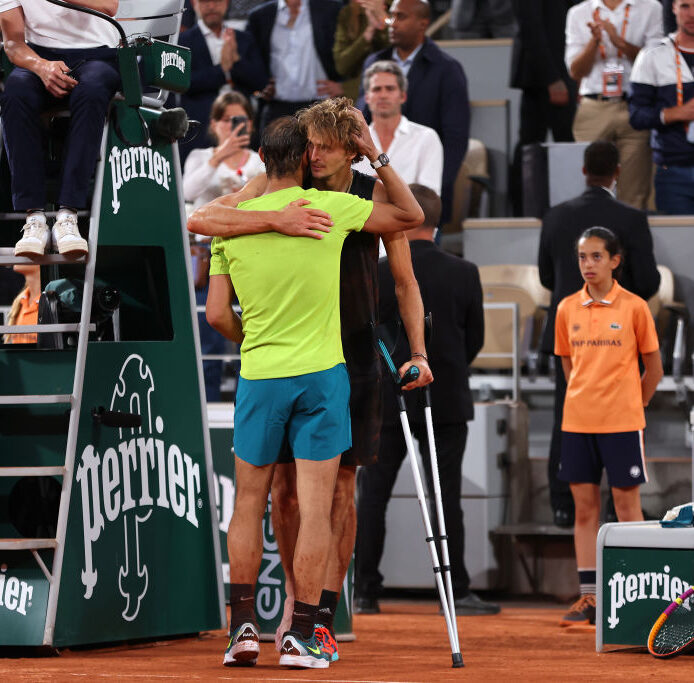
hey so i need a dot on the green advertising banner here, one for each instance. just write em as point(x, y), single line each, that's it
point(23, 600)
point(270, 591)
point(139, 556)
point(638, 584)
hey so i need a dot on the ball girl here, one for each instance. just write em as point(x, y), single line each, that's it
point(600, 332)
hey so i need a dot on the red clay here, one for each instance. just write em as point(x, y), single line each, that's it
point(407, 642)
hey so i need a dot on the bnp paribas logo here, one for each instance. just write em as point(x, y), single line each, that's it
point(136, 163)
point(125, 484)
point(630, 588)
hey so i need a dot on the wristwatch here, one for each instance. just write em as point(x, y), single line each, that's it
point(381, 160)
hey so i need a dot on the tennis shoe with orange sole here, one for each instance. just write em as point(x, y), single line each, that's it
point(581, 613)
point(326, 642)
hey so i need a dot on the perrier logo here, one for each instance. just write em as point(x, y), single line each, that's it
point(132, 163)
point(129, 481)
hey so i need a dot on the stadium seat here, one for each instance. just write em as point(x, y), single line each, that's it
point(499, 345)
point(471, 189)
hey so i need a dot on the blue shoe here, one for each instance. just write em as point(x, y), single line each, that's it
point(326, 642)
point(243, 647)
point(303, 654)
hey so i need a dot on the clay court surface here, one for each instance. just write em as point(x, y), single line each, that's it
point(407, 642)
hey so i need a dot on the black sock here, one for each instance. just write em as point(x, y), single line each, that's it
point(304, 619)
point(326, 608)
point(586, 580)
point(241, 598)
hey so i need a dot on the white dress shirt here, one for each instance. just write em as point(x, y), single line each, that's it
point(61, 28)
point(202, 182)
point(644, 29)
point(294, 62)
point(214, 42)
point(416, 153)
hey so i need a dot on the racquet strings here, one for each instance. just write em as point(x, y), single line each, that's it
point(673, 632)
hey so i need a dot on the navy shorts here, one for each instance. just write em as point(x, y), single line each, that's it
point(583, 457)
point(310, 412)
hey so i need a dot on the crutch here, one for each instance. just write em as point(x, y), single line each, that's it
point(436, 481)
point(410, 376)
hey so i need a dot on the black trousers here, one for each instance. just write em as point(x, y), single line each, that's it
point(23, 100)
point(538, 116)
point(374, 486)
point(559, 491)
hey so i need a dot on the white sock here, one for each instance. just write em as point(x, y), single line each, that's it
point(38, 213)
point(64, 213)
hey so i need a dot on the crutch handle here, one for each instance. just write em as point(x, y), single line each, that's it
point(411, 375)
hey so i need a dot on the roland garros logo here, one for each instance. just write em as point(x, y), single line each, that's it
point(127, 482)
point(133, 163)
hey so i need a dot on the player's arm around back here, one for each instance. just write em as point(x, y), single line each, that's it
point(221, 218)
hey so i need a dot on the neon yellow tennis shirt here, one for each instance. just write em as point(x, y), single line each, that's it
point(289, 287)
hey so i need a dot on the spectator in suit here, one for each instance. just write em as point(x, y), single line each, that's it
point(222, 58)
point(415, 151)
point(559, 272)
point(482, 19)
point(361, 29)
point(296, 38)
point(437, 88)
point(452, 291)
point(548, 101)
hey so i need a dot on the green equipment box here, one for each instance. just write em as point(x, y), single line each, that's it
point(641, 568)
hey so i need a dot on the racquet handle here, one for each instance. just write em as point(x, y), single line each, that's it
point(411, 375)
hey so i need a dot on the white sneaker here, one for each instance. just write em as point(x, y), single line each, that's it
point(35, 236)
point(66, 236)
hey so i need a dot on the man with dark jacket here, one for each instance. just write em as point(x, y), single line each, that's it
point(452, 292)
point(296, 38)
point(437, 94)
point(548, 101)
point(559, 272)
point(222, 57)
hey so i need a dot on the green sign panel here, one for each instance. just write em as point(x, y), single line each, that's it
point(23, 600)
point(270, 592)
point(139, 555)
point(638, 584)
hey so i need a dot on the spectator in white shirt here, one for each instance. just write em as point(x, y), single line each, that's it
point(603, 38)
point(415, 151)
point(214, 171)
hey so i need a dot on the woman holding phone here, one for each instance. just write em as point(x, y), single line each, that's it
point(215, 171)
point(600, 332)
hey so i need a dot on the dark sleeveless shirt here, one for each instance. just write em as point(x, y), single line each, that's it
point(359, 290)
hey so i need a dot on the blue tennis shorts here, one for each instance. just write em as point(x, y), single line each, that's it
point(311, 411)
point(583, 457)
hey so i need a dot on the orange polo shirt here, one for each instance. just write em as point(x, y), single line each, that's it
point(604, 339)
point(28, 315)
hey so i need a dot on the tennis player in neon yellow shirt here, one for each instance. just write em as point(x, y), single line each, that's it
point(294, 382)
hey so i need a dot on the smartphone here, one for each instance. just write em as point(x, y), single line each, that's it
point(235, 120)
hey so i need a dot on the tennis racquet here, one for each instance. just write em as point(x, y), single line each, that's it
point(673, 632)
